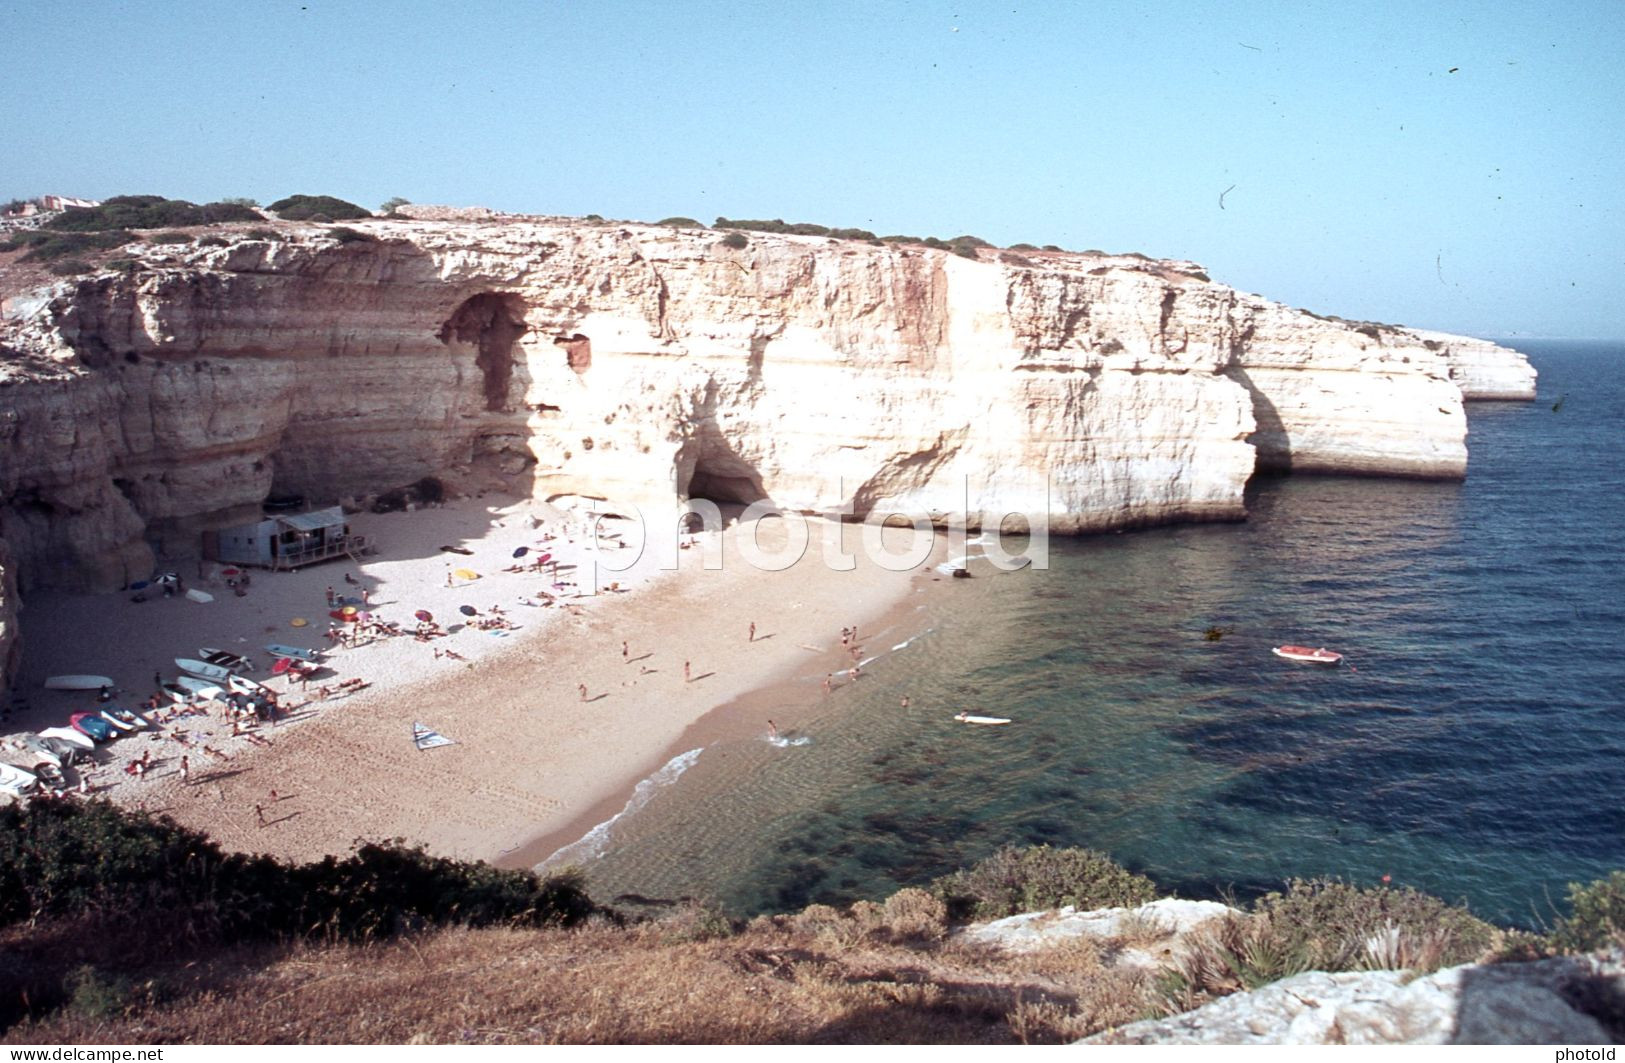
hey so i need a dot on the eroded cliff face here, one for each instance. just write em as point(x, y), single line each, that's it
point(646, 365)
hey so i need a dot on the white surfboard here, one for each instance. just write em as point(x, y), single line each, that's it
point(986, 721)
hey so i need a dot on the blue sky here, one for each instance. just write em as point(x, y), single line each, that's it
point(1449, 165)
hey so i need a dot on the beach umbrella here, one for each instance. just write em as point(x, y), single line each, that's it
point(168, 579)
point(424, 615)
point(349, 611)
point(282, 664)
point(521, 551)
point(465, 573)
point(298, 621)
point(544, 559)
point(231, 572)
point(468, 610)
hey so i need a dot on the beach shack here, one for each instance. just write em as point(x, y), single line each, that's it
point(285, 540)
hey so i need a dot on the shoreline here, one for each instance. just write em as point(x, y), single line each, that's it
point(532, 760)
point(744, 714)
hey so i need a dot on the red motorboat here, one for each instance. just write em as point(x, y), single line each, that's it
point(1304, 653)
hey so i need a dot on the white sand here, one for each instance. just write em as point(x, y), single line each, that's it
point(531, 757)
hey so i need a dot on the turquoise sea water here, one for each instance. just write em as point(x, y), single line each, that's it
point(1473, 744)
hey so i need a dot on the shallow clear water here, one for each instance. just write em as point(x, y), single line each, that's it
point(1473, 744)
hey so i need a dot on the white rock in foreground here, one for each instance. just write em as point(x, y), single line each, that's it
point(1514, 1003)
point(1037, 930)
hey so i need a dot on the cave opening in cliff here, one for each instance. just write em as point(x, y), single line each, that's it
point(492, 323)
point(712, 469)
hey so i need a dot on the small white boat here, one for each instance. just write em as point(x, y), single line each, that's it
point(122, 725)
point(68, 734)
point(37, 747)
point(244, 685)
point(985, 721)
point(200, 597)
point(178, 693)
point(1304, 653)
point(202, 669)
point(200, 689)
point(77, 682)
point(14, 780)
point(276, 649)
point(231, 662)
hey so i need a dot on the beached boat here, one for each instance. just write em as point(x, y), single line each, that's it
point(14, 780)
point(199, 689)
point(202, 670)
point(231, 662)
point(276, 649)
point(92, 725)
point(986, 721)
point(1304, 653)
point(66, 752)
point(77, 682)
point(82, 742)
point(130, 721)
point(178, 693)
point(118, 724)
point(244, 685)
point(38, 747)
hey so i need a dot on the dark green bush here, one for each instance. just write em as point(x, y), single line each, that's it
point(71, 267)
point(1023, 247)
point(1016, 880)
point(1598, 915)
point(306, 208)
point(737, 241)
point(799, 228)
point(262, 234)
point(83, 858)
point(170, 237)
point(680, 222)
point(44, 246)
point(901, 240)
point(350, 236)
point(390, 205)
point(147, 212)
point(1057, 247)
point(123, 265)
point(212, 241)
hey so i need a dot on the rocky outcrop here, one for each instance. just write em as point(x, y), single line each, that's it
point(649, 365)
point(1480, 368)
point(1557, 1001)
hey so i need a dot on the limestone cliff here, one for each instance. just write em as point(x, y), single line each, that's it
point(648, 364)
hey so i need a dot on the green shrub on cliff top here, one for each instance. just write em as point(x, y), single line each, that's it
point(1028, 880)
point(1598, 918)
point(147, 212)
point(306, 208)
point(84, 858)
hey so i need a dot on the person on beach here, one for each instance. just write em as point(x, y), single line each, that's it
point(853, 672)
point(905, 701)
point(772, 731)
point(583, 688)
point(752, 631)
point(158, 681)
point(687, 672)
point(186, 768)
point(332, 599)
point(829, 678)
point(626, 651)
point(846, 636)
point(259, 810)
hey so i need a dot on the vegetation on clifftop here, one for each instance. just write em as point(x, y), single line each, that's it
point(317, 208)
point(124, 926)
point(148, 212)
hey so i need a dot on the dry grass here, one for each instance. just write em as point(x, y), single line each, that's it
point(871, 975)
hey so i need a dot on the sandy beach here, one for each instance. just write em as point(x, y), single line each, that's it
point(533, 760)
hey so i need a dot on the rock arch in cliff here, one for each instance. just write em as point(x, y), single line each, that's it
point(492, 323)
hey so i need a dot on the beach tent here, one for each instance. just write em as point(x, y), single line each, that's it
point(424, 737)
